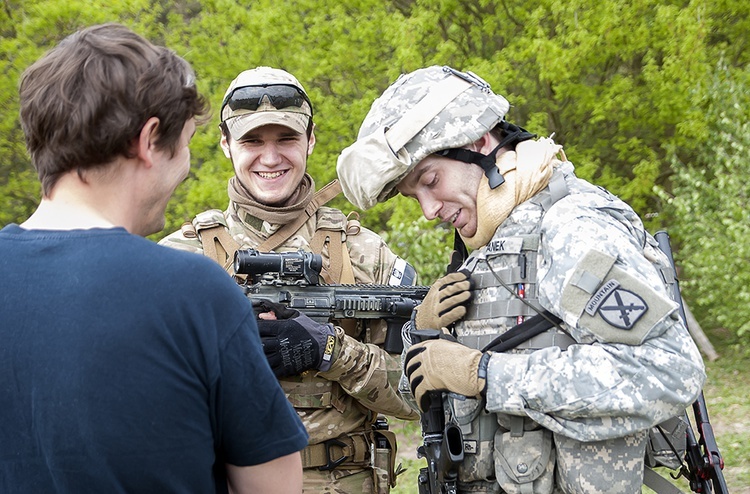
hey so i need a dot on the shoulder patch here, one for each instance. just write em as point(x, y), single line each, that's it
point(402, 273)
point(622, 308)
point(610, 303)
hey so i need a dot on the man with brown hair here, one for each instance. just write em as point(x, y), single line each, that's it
point(113, 377)
point(268, 133)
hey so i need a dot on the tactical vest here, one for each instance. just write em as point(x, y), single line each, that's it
point(340, 429)
point(513, 452)
point(220, 241)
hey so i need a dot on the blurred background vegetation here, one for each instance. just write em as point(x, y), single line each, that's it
point(649, 97)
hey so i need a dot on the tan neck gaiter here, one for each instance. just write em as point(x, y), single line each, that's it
point(276, 215)
point(527, 170)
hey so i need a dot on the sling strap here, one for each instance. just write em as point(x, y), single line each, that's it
point(526, 330)
point(321, 197)
point(219, 245)
point(340, 269)
point(657, 483)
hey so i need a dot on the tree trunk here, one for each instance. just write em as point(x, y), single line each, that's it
point(698, 335)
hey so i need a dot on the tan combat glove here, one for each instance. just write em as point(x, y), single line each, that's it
point(445, 302)
point(445, 365)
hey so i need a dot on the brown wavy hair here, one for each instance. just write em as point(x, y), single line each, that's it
point(85, 101)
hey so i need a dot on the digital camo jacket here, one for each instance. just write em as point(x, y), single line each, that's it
point(633, 363)
point(570, 409)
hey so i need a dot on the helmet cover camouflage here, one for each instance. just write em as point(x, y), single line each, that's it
point(372, 166)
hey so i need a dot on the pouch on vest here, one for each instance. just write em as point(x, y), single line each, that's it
point(384, 460)
point(525, 464)
point(309, 391)
point(666, 443)
point(478, 429)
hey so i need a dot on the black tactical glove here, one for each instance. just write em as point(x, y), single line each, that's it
point(294, 343)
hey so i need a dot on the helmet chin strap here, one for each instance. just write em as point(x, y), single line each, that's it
point(513, 135)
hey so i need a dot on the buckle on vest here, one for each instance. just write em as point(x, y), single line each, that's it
point(331, 464)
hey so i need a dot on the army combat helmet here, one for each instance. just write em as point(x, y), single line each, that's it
point(431, 110)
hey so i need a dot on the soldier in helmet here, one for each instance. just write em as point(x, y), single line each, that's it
point(567, 410)
point(267, 132)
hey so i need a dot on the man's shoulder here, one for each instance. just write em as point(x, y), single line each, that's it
point(357, 236)
point(373, 259)
point(187, 238)
point(180, 241)
point(328, 218)
point(171, 258)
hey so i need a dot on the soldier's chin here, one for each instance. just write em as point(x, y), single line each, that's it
point(468, 231)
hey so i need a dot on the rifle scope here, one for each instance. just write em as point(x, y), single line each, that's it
point(298, 264)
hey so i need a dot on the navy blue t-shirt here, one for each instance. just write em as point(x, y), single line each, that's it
point(126, 366)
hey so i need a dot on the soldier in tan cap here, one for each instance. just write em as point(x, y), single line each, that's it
point(267, 132)
point(560, 268)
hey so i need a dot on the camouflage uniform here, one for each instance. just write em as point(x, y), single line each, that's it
point(338, 407)
point(585, 430)
point(570, 409)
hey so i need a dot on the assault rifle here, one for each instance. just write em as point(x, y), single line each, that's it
point(443, 445)
point(292, 279)
point(703, 462)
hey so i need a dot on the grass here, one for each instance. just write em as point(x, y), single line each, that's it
point(728, 406)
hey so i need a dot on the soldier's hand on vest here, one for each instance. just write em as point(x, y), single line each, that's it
point(445, 365)
point(294, 343)
point(445, 303)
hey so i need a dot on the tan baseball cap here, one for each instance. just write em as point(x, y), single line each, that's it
point(265, 96)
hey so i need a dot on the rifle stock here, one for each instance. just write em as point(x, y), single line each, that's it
point(702, 456)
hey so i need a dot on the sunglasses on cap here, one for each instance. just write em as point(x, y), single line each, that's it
point(280, 96)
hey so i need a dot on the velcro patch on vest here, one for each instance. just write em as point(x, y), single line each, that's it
point(506, 245)
point(620, 308)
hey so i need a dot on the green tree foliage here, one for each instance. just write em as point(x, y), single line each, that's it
point(711, 201)
point(609, 78)
point(623, 85)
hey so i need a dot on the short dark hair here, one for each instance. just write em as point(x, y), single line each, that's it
point(86, 100)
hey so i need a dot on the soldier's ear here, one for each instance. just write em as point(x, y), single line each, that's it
point(484, 144)
point(225, 145)
point(311, 141)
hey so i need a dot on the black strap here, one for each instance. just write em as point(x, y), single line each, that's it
point(485, 161)
point(459, 255)
point(513, 135)
point(522, 332)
